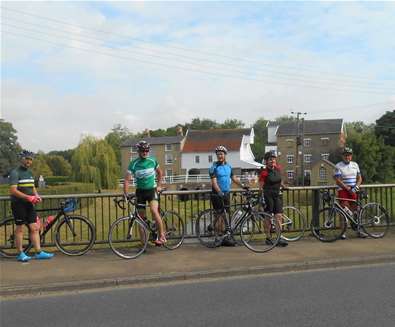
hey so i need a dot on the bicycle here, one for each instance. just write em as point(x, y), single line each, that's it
point(74, 234)
point(331, 222)
point(258, 231)
point(293, 224)
point(129, 235)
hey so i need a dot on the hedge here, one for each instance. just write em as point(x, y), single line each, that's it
point(66, 188)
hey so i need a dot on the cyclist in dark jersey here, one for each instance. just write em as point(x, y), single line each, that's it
point(23, 198)
point(145, 169)
point(270, 184)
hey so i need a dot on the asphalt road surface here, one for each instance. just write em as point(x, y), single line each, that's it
point(359, 296)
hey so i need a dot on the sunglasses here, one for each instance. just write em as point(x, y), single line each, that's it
point(144, 151)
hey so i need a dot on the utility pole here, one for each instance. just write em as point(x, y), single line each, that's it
point(299, 141)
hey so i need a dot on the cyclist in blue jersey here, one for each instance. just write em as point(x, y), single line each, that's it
point(221, 175)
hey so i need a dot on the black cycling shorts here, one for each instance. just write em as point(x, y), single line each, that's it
point(220, 202)
point(23, 212)
point(274, 203)
point(145, 195)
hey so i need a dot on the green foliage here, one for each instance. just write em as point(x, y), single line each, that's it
point(68, 188)
point(9, 147)
point(57, 180)
point(66, 154)
point(260, 140)
point(385, 128)
point(58, 165)
point(94, 161)
point(115, 138)
point(40, 166)
point(232, 123)
point(376, 160)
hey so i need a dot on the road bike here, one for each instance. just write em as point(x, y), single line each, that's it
point(370, 218)
point(257, 230)
point(74, 234)
point(129, 235)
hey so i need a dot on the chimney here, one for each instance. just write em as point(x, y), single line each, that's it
point(179, 131)
point(147, 133)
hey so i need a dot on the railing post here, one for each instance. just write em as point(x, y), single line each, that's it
point(316, 207)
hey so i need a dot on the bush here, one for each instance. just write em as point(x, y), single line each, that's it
point(56, 180)
point(68, 188)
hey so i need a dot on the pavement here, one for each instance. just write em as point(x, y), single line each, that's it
point(102, 269)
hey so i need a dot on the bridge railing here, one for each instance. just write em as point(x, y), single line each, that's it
point(102, 211)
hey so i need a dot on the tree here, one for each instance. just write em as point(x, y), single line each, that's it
point(232, 123)
point(115, 138)
point(260, 140)
point(59, 165)
point(204, 123)
point(9, 147)
point(40, 166)
point(66, 154)
point(385, 127)
point(94, 161)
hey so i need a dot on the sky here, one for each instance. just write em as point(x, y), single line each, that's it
point(70, 69)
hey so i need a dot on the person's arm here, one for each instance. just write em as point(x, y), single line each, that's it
point(340, 183)
point(159, 175)
point(126, 180)
point(15, 192)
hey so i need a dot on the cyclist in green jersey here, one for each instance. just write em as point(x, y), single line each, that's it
point(23, 198)
point(148, 177)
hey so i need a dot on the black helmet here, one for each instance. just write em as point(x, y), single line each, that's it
point(26, 154)
point(143, 146)
point(270, 154)
point(221, 148)
point(347, 150)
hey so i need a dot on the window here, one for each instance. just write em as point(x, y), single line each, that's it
point(197, 159)
point(307, 143)
point(168, 158)
point(323, 173)
point(325, 156)
point(290, 158)
point(168, 147)
point(290, 174)
point(324, 141)
point(169, 172)
point(210, 158)
point(307, 173)
point(307, 158)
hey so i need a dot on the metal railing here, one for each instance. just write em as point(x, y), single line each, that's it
point(102, 211)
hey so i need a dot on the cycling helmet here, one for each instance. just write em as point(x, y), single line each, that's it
point(347, 150)
point(26, 154)
point(221, 148)
point(143, 146)
point(270, 154)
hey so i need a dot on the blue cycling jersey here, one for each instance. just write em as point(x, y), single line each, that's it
point(223, 172)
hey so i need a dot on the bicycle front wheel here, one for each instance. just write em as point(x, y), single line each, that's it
point(128, 237)
point(7, 238)
point(329, 225)
point(174, 228)
point(75, 235)
point(210, 228)
point(293, 224)
point(260, 232)
point(374, 220)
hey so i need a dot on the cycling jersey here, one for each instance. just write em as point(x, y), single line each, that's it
point(223, 172)
point(22, 178)
point(348, 172)
point(271, 179)
point(144, 171)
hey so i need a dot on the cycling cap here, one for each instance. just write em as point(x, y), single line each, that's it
point(143, 146)
point(26, 154)
point(221, 148)
point(270, 154)
point(347, 150)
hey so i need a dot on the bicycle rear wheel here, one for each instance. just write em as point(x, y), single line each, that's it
point(374, 220)
point(128, 237)
point(7, 238)
point(174, 228)
point(210, 228)
point(329, 225)
point(293, 225)
point(260, 232)
point(75, 235)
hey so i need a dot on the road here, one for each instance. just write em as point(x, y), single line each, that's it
point(358, 296)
